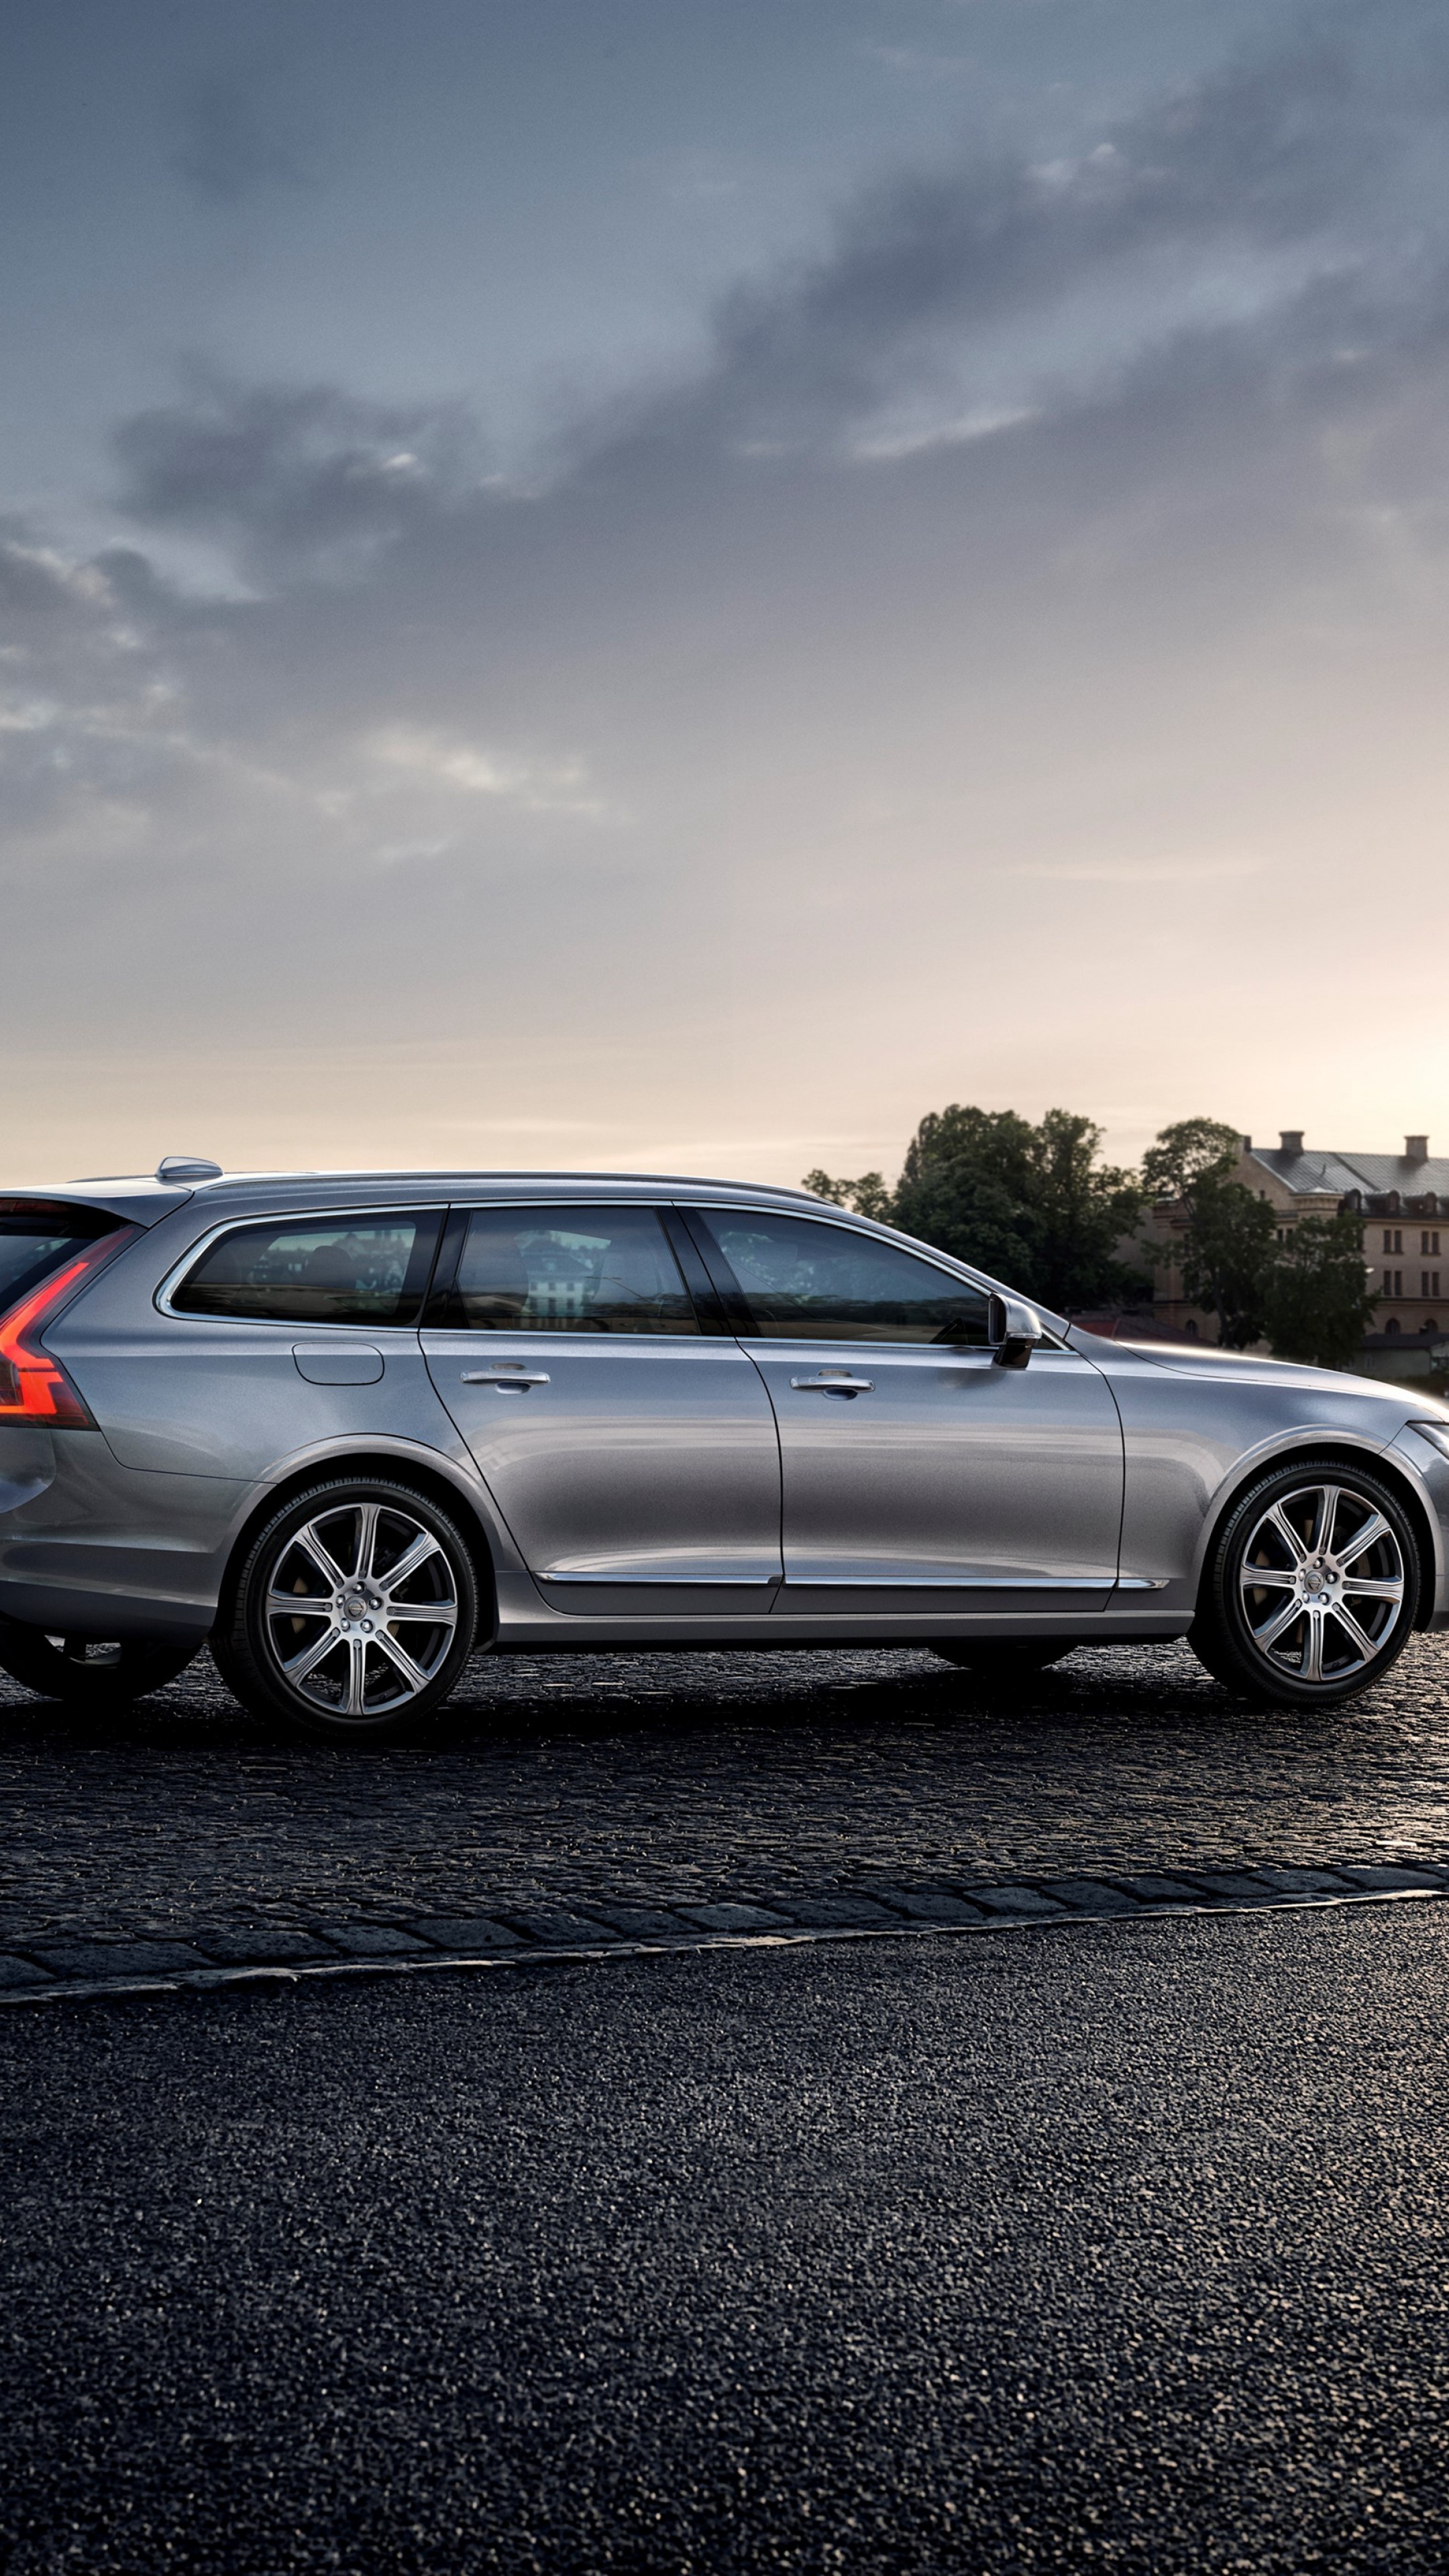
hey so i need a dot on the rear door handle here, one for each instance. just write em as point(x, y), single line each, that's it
point(840, 1384)
point(503, 1375)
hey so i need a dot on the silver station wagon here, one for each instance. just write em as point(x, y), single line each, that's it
point(348, 1428)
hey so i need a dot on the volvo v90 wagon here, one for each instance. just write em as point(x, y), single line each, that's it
point(349, 1428)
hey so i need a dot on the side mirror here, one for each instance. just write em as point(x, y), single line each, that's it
point(1015, 1329)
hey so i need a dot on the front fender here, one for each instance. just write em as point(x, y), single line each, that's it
point(1193, 1441)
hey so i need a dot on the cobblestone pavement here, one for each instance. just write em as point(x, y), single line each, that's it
point(564, 1783)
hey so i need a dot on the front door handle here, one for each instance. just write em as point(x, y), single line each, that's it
point(503, 1375)
point(842, 1383)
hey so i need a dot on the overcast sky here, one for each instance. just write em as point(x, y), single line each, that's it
point(676, 582)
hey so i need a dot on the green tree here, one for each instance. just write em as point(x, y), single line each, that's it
point(868, 1196)
point(1084, 1209)
point(1029, 1204)
point(1319, 1302)
point(1226, 1250)
point(965, 1187)
point(1195, 1150)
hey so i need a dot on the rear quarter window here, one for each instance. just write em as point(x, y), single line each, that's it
point(315, 1270)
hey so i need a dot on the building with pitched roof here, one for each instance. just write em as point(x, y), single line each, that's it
point(1403, 1200)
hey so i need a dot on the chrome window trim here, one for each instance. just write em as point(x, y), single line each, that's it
point(840, 1223)
point(163, 1294)
point(443, 1208)
point(550, 1333)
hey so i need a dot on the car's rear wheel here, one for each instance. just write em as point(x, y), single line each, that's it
point(90, 1672)
point(354, 1612)
point(1312, 1587)
point(1006, 1662)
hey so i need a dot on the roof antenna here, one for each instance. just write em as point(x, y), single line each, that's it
point(186, 1167)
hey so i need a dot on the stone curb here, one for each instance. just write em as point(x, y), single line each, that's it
point(53, 1970)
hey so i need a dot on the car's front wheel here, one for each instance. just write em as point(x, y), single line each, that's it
point(354, 1611)
point(1312, 1586)
point(90, 1672)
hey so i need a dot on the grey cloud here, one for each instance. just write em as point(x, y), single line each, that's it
point(36, 583)
point(1299, 151)
point(1237, 230)
point(292, 474)
point(709, 616)
point(231, 143)
point(84, 702)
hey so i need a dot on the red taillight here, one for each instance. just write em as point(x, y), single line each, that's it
point(33, 1386)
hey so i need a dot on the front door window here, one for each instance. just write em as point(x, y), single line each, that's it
point(808, 1281)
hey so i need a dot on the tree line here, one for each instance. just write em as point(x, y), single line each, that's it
point(1034, 1205)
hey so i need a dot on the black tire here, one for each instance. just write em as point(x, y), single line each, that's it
point(353, 1689)
point(1339, 1580)
point(88, 1673)
point(1007, 1662)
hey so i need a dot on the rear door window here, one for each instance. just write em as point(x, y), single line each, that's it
point(805, 1281)
point(316, 1270)
point(39, 1236)
point(568, 1270)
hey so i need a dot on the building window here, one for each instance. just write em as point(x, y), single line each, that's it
point(1428, 1283)
point(1429, 1243)
point(1392, 1326)
point(1393, 1283)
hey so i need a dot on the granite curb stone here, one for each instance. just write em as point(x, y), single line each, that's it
point(48, 1967)
point(640, 1922)
point(1308, 1882)
point(735, 1918)
point(929, 1905)
point(1020, 1901)
point(18, 1973)
point(553, 1925)
point(267, 1946)
point(1089, 1896)
point(1235, 1883)
point(478, 1933)
point(369, 1940)
point(1396, 1878)
point(823, 1913)
point(139, 1958)
point(1151, 1887)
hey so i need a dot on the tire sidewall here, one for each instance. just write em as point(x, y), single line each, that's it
point(145, 1664)
point(250, 1664)
point(1228, 1647)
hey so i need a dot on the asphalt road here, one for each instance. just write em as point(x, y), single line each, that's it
point(1121, 2246)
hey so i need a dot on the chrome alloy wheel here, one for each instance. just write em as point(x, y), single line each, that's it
point(1321, 1583)
point(361, 1610)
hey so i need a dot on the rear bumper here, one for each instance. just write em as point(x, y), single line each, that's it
point(96, 1549)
